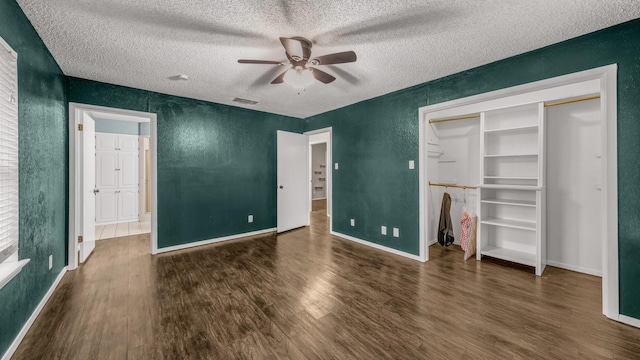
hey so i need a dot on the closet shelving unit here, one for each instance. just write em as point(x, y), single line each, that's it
point(511, 193)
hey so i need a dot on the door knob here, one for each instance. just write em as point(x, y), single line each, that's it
point(95, 191)
point(281, 186)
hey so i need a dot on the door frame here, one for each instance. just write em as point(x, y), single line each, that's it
point(605, 80)
point(329, 169)
point(75, 112)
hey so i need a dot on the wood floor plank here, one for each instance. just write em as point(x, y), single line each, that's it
point(305, 294)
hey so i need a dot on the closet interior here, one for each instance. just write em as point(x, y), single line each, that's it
point(531, 173)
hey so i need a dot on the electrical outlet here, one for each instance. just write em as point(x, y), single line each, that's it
point(250, 218)
point(353, 222)
point(412, 164)
point(336, 166)
point(396, 232)
point(50, 262)
point(383, 230)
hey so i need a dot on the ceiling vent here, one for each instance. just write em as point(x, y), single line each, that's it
point(245, 101)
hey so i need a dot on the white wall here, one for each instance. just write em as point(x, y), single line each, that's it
point(574, 203)
point(454, 158)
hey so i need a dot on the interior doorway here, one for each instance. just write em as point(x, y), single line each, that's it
point(320, 171)
point(112, 172)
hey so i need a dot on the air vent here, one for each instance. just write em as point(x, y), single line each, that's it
point(245, 101)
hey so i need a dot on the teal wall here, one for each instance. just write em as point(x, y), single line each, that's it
point(43, 172)
point(117, 127)
point(216, 163)
point(374, 139)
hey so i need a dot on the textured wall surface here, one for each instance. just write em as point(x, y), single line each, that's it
point(374, 139)
point(216, 163)
point(43, 172)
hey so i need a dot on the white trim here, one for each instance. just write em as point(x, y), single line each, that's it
point(606, 78)
point(213, 241)
point(329, 169)
point(9, 270)
point(322, 198)
point(376, 246)
point(16, 342)
point(75, 109)
point(629, 320)
point(574, 268)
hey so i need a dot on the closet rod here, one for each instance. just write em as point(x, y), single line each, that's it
point(473, 116)
point(453, 185)
point(562, 102)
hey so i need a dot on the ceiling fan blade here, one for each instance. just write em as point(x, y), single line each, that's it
point(322, 76)
point(279, 79)
point(337, 58)
point(267, 62)
point(297, 48)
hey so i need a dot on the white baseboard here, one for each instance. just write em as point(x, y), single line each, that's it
point(575, 268)
point(432, 241)
point(213, 241)
point(377, 246)
point(16, 342)
point(629, 320)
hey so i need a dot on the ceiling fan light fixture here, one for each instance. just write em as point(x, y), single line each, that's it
point(299, 77)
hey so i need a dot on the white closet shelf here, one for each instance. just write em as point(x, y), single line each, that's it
point(524, 203)
point(510, 155)
point(510, 187)
point(512, 177)
point(510, 255)
point(514, 128)
point(514, 224)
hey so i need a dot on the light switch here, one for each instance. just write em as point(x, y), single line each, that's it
point(250, 218)
point(50, 262)
point(336, 166)
point(353, 222)
point(383, 230)
point(412, 164)
point(396, 232)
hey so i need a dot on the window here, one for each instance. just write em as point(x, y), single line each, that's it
point(9, 264)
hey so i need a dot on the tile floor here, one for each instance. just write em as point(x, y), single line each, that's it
point(123, 229)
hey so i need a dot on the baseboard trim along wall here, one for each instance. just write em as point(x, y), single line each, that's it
point(377, 246)
point(629, 320)
point(16, 342)
point(213, 241)
point(574, 268)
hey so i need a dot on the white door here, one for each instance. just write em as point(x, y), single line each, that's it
point(88, 135)
point(293, 180)
point(127, 204)
point(106, 142)
point(106, 174)
point(106, 206)
point(127, 170)
point(128, 143)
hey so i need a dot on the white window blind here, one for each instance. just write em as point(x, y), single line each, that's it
point(8, 151)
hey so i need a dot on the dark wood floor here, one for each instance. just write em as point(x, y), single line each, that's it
point(307, 295)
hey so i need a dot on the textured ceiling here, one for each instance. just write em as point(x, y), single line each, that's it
point(399, 43)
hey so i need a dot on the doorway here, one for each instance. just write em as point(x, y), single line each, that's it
point(112, 172)
point(320, 171)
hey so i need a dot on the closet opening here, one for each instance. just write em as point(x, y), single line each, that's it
point(540, 162)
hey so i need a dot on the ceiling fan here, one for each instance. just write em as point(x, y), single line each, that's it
point(302, 72)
